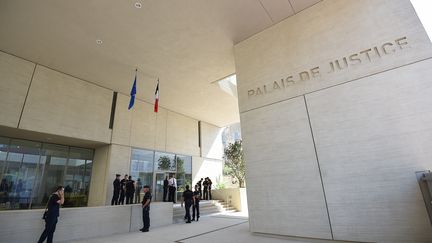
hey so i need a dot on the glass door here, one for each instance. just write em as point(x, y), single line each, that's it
point(160, 177)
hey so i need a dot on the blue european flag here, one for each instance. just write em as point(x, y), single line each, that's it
point(132, 94)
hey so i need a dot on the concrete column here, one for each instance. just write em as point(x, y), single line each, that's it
point(108, 161)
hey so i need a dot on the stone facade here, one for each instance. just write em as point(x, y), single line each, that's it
point(335, 110)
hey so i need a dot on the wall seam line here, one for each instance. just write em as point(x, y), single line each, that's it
point(319, 166)
point(265, 10)
point(25, 99)
point(208, 232)
point(103, 87)
point(289, 1)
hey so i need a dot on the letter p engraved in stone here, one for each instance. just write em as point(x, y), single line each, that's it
point(251, 92)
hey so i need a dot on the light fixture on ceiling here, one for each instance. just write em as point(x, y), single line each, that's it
point(99, 41)
point(138, 5)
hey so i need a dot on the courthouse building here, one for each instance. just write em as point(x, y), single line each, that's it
point(334, 99)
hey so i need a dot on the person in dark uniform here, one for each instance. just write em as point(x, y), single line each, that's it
point(51, 215)
point(165, 189)
point(188, 200)
point(116, 192)
point(130, 190)
point(209, 187)
point(123, 189)
point(146, 209)
point(199, 183)
point(195, 206)
point(205, 191)
point(4, 191)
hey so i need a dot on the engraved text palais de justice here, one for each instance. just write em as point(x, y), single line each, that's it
point(332, 67)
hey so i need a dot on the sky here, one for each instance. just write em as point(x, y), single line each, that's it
point(424, 12)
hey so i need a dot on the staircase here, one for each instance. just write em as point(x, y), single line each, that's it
point(209, 207)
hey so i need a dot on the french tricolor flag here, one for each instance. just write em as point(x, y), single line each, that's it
point(156, 104)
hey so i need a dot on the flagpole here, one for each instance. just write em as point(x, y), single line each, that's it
point(130, 123)
point(156, 128)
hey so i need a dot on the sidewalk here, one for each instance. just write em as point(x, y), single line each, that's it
point(210, 229)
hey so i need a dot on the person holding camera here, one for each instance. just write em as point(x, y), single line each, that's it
point(52, 212)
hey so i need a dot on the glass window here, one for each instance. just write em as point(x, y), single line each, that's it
point(165, 161)
point(142, 166)
point(30, 171)
point(4, 146)
point(52, 168)
point(21, 172)
point(147, 164)
point(75, 190)
point(87, 176)
point(184, 173)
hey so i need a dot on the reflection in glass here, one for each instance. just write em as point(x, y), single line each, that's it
point(75, 190)
point(142, 166)
point(165, 161)
point(29, 172)
point(165, 164)
point(4, 145)
point(87, 176)
point(184, 173)
point(52, 168)
point(21, 171)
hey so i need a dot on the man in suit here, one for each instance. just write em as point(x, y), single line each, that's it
point(172, 183)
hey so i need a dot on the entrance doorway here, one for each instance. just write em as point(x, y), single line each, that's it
point(159, 181)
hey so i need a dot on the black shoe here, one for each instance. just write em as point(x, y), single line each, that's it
point(197, 219)
point(193, 219)
point(188, 222)
point(144, 230)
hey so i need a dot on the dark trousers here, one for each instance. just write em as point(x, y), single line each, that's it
point(165, 192)
point(195, 211)
point(188, 205)
point(171, 196)
point(115, 198)
point(205, 195)
point(209, 195)
point(129, 197)
point(122, 197)
point(50, 226)
point(146, 218)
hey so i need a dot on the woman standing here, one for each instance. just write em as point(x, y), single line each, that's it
point(52, 212)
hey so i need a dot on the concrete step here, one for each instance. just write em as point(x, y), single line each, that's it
point(207, 207)
point(180, 218)
point(202, 212)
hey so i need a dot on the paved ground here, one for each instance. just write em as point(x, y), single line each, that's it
point(216, 228)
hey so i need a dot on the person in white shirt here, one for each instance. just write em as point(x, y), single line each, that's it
point(172, 185)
